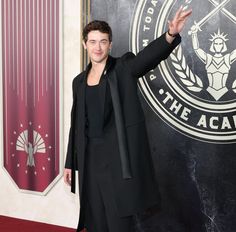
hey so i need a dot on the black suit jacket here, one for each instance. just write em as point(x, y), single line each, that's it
point(133, 172)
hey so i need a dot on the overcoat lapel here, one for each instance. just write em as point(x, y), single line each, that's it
point(103, 83)
point(120, 127)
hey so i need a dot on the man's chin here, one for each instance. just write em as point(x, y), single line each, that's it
point(99, 60)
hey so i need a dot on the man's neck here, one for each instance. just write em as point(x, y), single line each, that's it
point(95, 72)
point(97, 67)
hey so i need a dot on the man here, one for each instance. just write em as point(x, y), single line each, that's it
point(108, 142)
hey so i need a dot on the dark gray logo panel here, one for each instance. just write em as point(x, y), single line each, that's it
point(194, 90)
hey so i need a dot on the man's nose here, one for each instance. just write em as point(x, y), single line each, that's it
point(98, 46)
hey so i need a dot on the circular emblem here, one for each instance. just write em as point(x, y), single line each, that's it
point(194, 90)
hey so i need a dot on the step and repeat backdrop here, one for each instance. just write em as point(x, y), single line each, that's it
point(190, 106)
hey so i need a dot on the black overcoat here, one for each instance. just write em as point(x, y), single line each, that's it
point(132, 172)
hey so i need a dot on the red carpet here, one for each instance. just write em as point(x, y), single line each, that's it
point(8, 224)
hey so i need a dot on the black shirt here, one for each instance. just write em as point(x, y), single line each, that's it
point(94, 114)
point(99, 110)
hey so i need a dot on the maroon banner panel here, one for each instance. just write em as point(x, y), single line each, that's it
point(31, 78)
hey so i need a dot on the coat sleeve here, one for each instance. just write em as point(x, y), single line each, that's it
point(69, 156)
point(148, 58)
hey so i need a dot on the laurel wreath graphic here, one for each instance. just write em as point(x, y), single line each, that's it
point(187, 77)
point(234, 86)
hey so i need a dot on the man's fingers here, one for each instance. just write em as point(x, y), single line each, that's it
point(178, 13)
point(67, 176)
point(68, 180)
point(182, 13)
point(65, 179)
point(185, 14)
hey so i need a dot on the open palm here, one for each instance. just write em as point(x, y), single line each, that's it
point(177, 23)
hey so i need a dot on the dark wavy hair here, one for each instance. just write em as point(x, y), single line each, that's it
point(97, 25)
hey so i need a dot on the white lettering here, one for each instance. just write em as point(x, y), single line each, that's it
point(148, 19)
point(175, 106)
point(185, 113)
point(154, 3)
point(234, 118)
point(212, 120)
point(152, 77)
point(226, 123)
point(150, 10)
point(202, 121)
point(145, 42)
point(168, 97)
point(215, 122)
point(145, 28)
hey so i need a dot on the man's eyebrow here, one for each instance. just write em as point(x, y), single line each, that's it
point(100, 40)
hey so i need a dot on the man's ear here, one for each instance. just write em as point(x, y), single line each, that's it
point(110, 46)
point(84, 45)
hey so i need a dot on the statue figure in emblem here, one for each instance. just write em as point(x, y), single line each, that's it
point(217, 64)
point(23, 144)
point(30, 150)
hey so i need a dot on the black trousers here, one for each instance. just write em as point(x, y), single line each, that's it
point(101, 209)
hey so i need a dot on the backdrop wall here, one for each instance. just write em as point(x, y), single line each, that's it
point(191, 116)
point(190, 105)
point(59, 206)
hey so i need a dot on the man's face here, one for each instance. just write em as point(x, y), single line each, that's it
point(98, 46)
